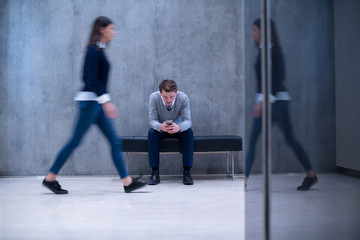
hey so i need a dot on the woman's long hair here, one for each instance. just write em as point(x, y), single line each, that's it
point(95, 34)
point(274, 35)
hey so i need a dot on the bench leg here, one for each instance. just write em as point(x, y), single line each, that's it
point(230, 157)
point(232, 166)
point(227, 166)
point(126, 161)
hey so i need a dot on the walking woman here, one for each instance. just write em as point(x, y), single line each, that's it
point(95, 106)
point(280, 108)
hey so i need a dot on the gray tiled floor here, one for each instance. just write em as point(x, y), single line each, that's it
point(213, 208)
point(97, 208)
point(329, 211)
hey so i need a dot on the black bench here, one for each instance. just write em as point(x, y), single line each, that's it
point(202, 144)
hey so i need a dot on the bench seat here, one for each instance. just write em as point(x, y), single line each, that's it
point(202, 144)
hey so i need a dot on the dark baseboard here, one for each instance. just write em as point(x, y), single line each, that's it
point(349, 172)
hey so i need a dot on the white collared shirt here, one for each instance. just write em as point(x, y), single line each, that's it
point(282, 96)
point(171, 104)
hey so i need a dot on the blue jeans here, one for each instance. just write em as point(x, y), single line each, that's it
point(280, 114)
point(187, 140)
point(91, 112)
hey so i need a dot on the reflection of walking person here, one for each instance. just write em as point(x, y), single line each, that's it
point(94, 107)
point(280, 108)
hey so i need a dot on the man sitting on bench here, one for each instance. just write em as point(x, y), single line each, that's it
point(170, 116)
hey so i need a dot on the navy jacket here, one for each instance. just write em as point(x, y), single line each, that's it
point(277, 71)
point(96, 70)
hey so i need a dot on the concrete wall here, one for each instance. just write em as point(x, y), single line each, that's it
point(305, 30)
point(195, 43)
point(3, 83)
point(347, 76)
point(204, 45)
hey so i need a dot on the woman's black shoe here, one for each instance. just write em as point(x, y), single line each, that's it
point(307, 183)
point(54, 186)
point(133, 186)
point(137, 178)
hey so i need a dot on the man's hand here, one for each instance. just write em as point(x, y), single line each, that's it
point(171, 129)
point(110, 110)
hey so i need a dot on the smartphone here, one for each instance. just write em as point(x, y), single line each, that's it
point(169, 122)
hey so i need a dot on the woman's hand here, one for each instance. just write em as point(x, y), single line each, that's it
point(257, 109)
point(110, 110)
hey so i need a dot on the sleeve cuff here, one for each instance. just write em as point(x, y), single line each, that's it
point(260, 98)
point(103, 98)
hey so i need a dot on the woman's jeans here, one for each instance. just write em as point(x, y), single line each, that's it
point(280, 114)
point(91, 112)
point(187, 141)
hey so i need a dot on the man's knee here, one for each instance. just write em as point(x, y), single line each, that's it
point(153, 132)
point(188, 133)
point(153, 136)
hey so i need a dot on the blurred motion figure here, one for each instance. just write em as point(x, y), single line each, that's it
point(95, 107)
point(279, 107)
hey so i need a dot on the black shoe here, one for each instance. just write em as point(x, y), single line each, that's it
point(134, 185)
point(54, 186)
point(137, 178)
point(154, 178)
point(307, 183)
point(187, 180)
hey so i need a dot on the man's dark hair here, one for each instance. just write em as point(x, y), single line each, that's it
point(168, 86)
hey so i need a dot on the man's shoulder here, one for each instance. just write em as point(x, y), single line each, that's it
point(181, 95)
point(155, 96)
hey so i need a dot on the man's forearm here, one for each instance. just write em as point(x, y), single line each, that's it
point(155, 124)
point(185, 125)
